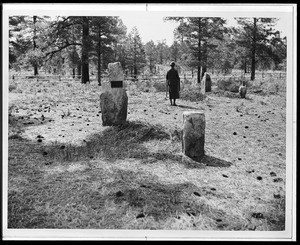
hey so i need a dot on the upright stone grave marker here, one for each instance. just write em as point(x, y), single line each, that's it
point(243, 90)
point(205, 83)
point(113, 99)
point(193, 134)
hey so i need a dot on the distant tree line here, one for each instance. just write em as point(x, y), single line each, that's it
point(76, 43)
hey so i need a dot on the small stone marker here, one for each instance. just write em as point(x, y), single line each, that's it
point(113, 99)
point(205, 83)
point(243, 90)
point(193, 134)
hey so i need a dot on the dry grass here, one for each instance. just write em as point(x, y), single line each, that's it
point(66, 170)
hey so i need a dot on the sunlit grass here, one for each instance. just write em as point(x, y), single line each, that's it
point(68, 171)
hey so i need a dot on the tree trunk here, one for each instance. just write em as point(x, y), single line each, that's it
point(135, 62)
point(79, 70)
point(199, 52)
point(204, 61)
point(35, 65)
point(253, 51)
point(99, 55)
point(150, 64)
point(85, 50)
point(245, 65)
point(204, 69)
point(99, 68)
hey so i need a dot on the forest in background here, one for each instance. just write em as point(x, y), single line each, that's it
point(82, 46)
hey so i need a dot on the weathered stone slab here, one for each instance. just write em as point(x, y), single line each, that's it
point(115, 72)
point(193, 134)
point(113, 99)
point(206, 83)
point(243, 91)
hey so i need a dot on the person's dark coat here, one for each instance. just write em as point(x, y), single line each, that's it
point(174, 83)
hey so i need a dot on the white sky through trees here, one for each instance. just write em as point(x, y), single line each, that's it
point(153, 27)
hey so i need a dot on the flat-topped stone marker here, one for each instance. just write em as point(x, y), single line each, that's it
point(113, 99)
point(206, 83)
point(243, 90)
point(193, 134)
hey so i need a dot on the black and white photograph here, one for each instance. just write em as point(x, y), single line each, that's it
point(149, 122)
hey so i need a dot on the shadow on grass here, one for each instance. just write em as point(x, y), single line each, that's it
point(147, 193)
point(143, 192)
point(189, 107)
point(215, 162)
point(124, 141)
point(18, 123)
point(79, 199)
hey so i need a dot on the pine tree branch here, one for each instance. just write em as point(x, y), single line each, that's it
point(51, 53)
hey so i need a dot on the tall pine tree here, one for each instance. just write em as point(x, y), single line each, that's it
point(198, 32)
point(258, 37)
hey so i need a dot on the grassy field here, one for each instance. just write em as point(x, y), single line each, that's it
point(65, 170)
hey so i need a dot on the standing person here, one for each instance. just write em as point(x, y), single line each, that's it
point(173, 82)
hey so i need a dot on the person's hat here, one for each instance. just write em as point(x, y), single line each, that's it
point(172, 63)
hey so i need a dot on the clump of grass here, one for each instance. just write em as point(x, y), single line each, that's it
point(231, 84)
point(192, 93)
point(115, 142)
point(274, 86)
point(65, 113)
point(268, 86)
point(15, 136)
point(160, 86)
point(231, 94)
point(12, 87)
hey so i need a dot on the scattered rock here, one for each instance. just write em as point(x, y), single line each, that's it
point(39, 140)
point(213, 189)
point(258, 215)
point(246, 127)
point(239, 158)
point(218, 220)
point(234, 133)
point(62, 147)
point(119, 194)
point(191, 213)
point(45, 153)
point(278, 180)
point(276, 196)
point(197, 194)
point(141, 215)
point(259, 177)
point(273, 174)
point(224, 175)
